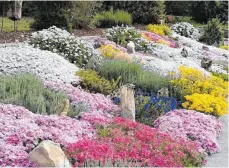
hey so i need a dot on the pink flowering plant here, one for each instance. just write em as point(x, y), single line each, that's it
point(191, 125)
point(22, 130)
point(99, 105)
point(125, 140)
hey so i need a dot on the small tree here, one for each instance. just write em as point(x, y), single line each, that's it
point(213, 32)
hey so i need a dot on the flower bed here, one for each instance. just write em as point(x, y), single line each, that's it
point(125, 140)
point(191, 125)
point(22, 130)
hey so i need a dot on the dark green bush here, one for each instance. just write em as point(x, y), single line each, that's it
point(92, 82)
point(203, 11)
point(26, 90)
point(134, 74)
point(83, 12)
point(111, 18)
point(52, 13)
point(213, 32)
point(143, 12)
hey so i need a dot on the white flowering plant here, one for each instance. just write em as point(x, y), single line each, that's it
point(186, 29)
point(122, 34)
point(60, 41)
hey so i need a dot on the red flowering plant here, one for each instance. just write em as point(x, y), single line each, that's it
point(125, 140)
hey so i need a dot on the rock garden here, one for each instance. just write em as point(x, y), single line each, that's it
point(155, 96)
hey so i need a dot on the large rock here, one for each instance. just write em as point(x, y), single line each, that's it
point(49, 154)
point(127, 103)
point(163, 92)
point(130, 48)
point(206, 63)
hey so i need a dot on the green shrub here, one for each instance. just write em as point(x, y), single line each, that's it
point(26, 90)
point(52, 13)
point(122, 34)
point(213, 32)
point(83, 12)
point(132, 73)
point(143, 12)
point(111, 18)
point(92, 82)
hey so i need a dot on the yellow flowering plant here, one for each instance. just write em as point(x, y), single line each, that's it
point(111, 52)
point(206, 103)
point(225, 47)
point(159, 29)
point(193, 81)
point(108, 51)
point(163, 42)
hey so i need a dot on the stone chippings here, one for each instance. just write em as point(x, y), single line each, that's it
point(44, 64)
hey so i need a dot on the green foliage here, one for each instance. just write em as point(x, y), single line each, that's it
point(134, 74)
point(143, 12)
point(122, 34)
point(111, 18)
point(202, 11)
point(49, 13)
point(221, 75)
point(83, 12)
point(26, 90)
point(179, 8)
point(213, 32)
point(92, 82)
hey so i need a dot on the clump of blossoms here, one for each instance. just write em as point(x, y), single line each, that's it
point(22, 130)
point(191, 125)
point(186, 29)
point(133, 142)
point(158, 39)
point(110, 51)
point(207, 94)
point(122, 34)
point(206, 103)
point(97, 103)
point(60, 41)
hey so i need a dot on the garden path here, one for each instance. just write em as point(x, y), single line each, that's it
point(220, 159)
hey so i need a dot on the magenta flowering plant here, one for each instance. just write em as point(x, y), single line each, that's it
point(99, 105)
point(192, 125)
point(22, 130)
point(133, 142)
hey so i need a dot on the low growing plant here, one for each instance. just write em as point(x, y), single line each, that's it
point(122, 34)
point(150, 108)
point(206, 103)
point(132, 73)
point(60, 41)
point(125, 140)
point(26, 90)
point(92, 82)
point(159, 29)
point(186, 29)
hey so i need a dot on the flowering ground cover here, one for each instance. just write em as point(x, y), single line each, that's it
point(127, 140)
point(95, 132)
point(192, 125)
point(21, 131)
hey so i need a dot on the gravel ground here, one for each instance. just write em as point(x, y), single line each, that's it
point(220, 159)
